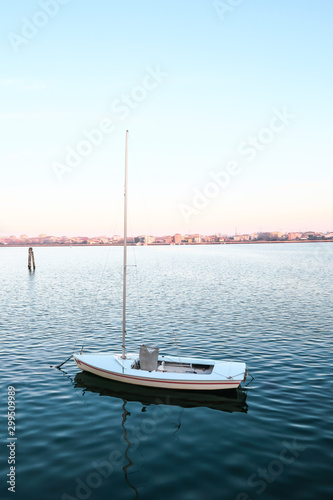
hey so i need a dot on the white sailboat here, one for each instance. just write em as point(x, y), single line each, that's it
point(150, 369)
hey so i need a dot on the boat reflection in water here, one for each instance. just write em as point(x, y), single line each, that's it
point(231, 400)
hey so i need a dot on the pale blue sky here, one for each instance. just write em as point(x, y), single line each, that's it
point(223, 78)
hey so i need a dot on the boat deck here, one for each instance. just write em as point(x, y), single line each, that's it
point(179, 367)
point(165, 366)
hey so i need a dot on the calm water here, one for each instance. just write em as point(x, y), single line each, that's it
point(268, 305)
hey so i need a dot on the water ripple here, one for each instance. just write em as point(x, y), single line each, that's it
point(267, 305)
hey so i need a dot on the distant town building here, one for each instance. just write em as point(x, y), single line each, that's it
point(209, 239)
point(177, 238)
point(149, 240)
point(50, 239)
point(294, 236)
point(308, 235)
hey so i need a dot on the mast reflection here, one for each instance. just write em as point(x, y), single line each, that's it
point(130, 463)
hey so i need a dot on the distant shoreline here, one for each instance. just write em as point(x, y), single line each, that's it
point(162, 244)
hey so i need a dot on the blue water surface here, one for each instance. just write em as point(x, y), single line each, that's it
point(80, 437)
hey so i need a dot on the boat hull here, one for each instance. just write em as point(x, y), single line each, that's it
point(223, 375)
point(227, 401)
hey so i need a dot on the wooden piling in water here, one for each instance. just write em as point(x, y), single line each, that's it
point(31, 259)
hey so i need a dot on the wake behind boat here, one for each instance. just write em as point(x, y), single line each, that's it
point(149, 368)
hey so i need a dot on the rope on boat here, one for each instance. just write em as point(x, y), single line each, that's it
point(93, 305)
point(252, 378)
point(228, 377)
point(59, 366)
point(97, 293)
point(235, 376)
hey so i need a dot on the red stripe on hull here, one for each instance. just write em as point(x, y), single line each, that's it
point(152, 382)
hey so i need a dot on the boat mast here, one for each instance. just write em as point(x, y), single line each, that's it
point(125, 253)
